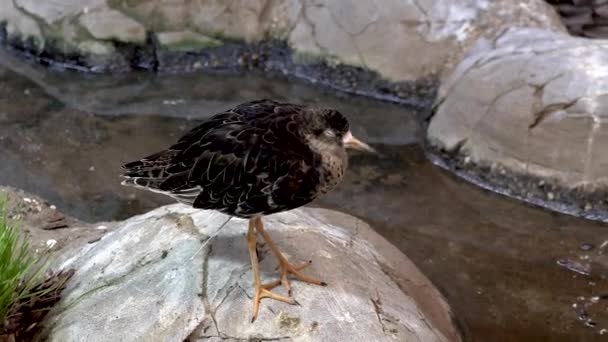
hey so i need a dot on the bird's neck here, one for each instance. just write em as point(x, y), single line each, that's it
point(331, 162)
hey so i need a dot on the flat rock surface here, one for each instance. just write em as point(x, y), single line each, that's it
point(532, 101)
point(177, 273)
point(46, 228)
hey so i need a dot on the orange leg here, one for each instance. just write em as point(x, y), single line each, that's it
point(284, 265)
point(261, 291)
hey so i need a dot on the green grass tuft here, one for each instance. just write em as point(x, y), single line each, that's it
point(16, 262)
point(27, 290)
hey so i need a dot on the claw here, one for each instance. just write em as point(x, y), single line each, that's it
point(286, 268)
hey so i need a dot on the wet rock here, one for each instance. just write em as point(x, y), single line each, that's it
point(177, 272)
point(533, 102)
point(109, 24)
point(428, 36)
point(20, 29)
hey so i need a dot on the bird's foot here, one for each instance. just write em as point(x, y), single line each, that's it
point(287, 268)
point(263, 291)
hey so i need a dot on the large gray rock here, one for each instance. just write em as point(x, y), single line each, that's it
point(401, 40)
point(177, 273)
point(533, 102)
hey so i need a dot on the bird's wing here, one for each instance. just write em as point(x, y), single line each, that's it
point(152, 171)
point(232, 162)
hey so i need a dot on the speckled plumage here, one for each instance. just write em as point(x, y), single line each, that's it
point(258, 158)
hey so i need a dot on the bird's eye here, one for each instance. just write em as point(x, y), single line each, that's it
point(329, 133)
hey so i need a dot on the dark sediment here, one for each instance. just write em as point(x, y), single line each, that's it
point(546, 193)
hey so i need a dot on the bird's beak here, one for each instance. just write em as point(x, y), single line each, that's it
point(356, 144)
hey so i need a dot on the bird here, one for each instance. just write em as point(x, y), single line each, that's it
point(255, 159)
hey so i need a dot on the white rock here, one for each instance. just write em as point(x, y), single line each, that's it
point(108, 24)
point(178, 272)
point(51, 243)
point(532, 101)
point(19, 26)
point(53, 11)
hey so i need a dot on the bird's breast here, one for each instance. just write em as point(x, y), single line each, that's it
point(331, 170)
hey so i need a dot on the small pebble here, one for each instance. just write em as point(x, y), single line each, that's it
point(588, 206)
point(27, 200)
point(580, 268)
point(587, 246)
point(51, 243)
point(603, 331)
point(92, 168)
point(594, 299)
point(53, 207)
point(102, 227)
point(550, 196)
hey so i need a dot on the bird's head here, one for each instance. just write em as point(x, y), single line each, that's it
point(330, 126)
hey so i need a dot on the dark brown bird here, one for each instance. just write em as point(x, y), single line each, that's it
point(259, 158)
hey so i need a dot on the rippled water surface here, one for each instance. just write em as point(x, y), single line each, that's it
point(64, 135)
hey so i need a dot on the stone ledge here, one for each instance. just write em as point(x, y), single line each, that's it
point(389, 52)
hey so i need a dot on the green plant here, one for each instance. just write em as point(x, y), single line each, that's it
point(16, 261)
point(26, 292)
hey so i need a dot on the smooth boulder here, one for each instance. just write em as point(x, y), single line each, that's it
point(177, 273)
point(531, 102)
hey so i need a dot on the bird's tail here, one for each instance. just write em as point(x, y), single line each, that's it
point(148, 172)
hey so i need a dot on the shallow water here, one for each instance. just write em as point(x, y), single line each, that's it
point(64, 136)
